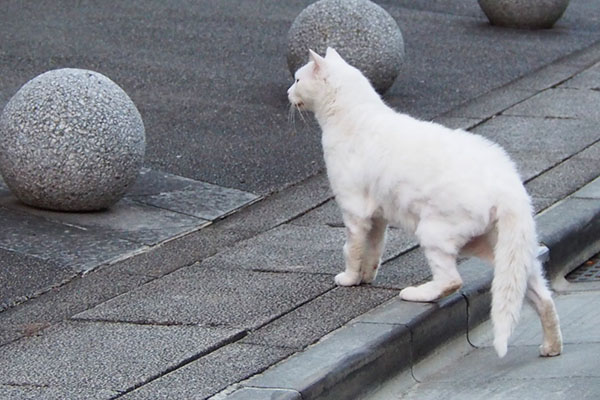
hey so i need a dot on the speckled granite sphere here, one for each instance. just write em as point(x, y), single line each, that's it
point(529, 14)
point(70, 140)
point(363, 33)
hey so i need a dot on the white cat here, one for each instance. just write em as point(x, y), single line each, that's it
point(457, 192)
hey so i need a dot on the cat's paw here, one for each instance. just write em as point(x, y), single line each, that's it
point(550, 349)
point(347, 279)
point(418, 294)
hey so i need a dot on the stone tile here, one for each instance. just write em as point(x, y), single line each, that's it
point(187, 196)
point(54, 393)
point(564, 179)
point(211, 373)
point(213, 296)
point(128, 220)
point(490, 104)
point(457, 122)
point(331, 310)
point(60, 303)
point(294, 248)
point(70, 247)
point(588, 79)
point(551, 140)
point(23, 276)
point(408, 269)
point(559, 104)
point(107, 356)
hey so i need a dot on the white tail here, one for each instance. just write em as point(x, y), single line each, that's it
point(514, 255)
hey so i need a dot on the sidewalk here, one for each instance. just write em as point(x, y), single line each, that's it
point(477, 373)
point(245, 307)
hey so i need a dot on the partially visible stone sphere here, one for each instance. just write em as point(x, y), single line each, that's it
point(362, 32)
point(71, 140)
point(529, 14)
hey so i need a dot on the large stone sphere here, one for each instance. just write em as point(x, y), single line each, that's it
point(70, 140)
point(363, 33)
point(529, 14)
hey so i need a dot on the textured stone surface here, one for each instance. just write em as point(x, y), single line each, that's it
point(114, 357)
point(71, 140)
point(364, 34)
point(213, 297)
point(539, 14)
point(211, 373)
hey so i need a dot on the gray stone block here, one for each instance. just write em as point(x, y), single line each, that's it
point(362, 32)
point(71, 247)
point(300, 328)
point(16, 392)
point(344, 364)
point(211, 373)
point(213, 296)
point(264, 394)
point(552, 140)
point(570, 230)
point(293, 248)
point(115, 357)
point(72, 140)
point(187, 196)
point(540, 14)
point(23, 276)
point(560, 104)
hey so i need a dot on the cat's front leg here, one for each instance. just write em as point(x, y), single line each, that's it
point(375, 243)
point(354, 250)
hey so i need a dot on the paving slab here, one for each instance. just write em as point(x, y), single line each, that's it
point(213, 296)
point(23, 276)
point(333, 309)
point(559, 104)
point(588, 79)
point(211, 373)
point(54, 393)
point(551, 140)
point(199, 199)
point(565, 178)
point(71, 247)
point(127, 220)
point(105, 356)
point(297, 248)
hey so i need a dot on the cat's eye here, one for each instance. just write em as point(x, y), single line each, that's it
point(297, 80)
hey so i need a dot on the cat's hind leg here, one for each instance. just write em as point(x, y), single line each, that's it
point(372, 256)
point(446, 279)
point(541, 298)
point(357, 230)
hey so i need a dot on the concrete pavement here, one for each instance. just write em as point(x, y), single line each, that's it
point(166, 296)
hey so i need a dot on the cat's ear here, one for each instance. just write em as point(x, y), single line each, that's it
point(332, 54)
point(319, 62)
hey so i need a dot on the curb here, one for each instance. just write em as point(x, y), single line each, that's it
point(396, 335)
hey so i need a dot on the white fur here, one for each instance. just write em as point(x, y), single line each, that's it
point(456, 191)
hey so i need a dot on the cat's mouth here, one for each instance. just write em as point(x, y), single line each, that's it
point(300, 105)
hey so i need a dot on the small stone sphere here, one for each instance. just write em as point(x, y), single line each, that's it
point(70, 140)
point(362, 32)
point(527, 14)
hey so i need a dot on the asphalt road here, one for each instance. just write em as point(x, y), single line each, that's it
point(210, 76)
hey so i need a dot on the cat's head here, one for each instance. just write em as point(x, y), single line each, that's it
point(325, 80)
